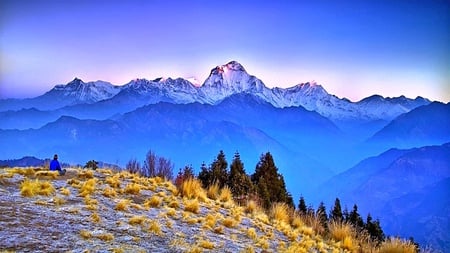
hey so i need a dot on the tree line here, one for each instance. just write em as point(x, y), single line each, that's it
point(266, 186)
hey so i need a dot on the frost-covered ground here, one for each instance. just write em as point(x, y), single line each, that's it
point(126, 213)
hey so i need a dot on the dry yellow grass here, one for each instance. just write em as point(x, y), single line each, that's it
point(65, 191)
point(85, 234)
point(396, 245)
point(213, 191)
point(154, 201)
point(47, 174)
point(113, 181)
point(30, 188)
point(229, 222)
point(154, 227)
point(192, 206)
point(85, 174)
point(251, 233)
point(192, 188)
point(136, 220)
point(105, 236)
point(59, 201)
point(87, 187)
point(109, 192)
point(251, 207)
point(225, 194)
point(95, 217)
point(205, 244)
point(341, 230)
point(122, 205)
point(133, 188)
point(280, 212)
point(28, 172)
point(210, 221)
point(174, 204)
point(171, 212)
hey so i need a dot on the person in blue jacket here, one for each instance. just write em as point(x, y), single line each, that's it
point(54, 165)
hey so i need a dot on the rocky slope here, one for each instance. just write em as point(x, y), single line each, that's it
point(120, 212)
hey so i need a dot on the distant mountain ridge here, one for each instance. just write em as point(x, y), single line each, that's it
point(223, 81)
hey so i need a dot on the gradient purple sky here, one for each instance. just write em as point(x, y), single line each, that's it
point(352, 48)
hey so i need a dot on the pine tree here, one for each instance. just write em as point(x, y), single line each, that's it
point(302, 205)
point(321, 214)
point(355, 218)
point(219, 170)
point(204, 175)
point(269, 183)
point(336, 212)
point(238, 181)
point(374, 229)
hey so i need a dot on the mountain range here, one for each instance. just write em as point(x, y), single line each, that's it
point(314, 136)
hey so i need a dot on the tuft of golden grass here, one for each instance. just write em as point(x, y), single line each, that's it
point(225, 194)
point(29, 188)
point(95, 217)
point(280, 212)
point(113, 181)
point(122, 205)
point(171, 212)
point(154, 227)
point(136, 220)
point(65, 191)
point(192, 206)
point(213, 191)
point(210, 221)
point(87, 187)
point(85, 174)
point(229, 222)
point(251, 207)
point(133, 188)
point(341, 230)
point(28, 172)
point(154, 201)
point(59, 201)
point(192, 188)
point(218, 230)
point(109, 192)
point(205, 244)
point(85, 234)
point(174, 204)
point(47, 174)
point(297, 221)
point(248, 249)
point(251, 233)
point(397, 245)
point(105, 236)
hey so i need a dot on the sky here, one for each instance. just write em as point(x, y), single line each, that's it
point(354, 49)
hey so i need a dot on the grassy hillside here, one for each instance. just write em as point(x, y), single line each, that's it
point(112, 211)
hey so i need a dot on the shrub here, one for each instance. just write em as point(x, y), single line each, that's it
point(92, 164)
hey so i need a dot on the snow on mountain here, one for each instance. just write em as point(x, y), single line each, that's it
point(223, 81)
point(230, 79)
point(81, 92)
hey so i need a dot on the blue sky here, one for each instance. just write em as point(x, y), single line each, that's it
point(352, 48)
